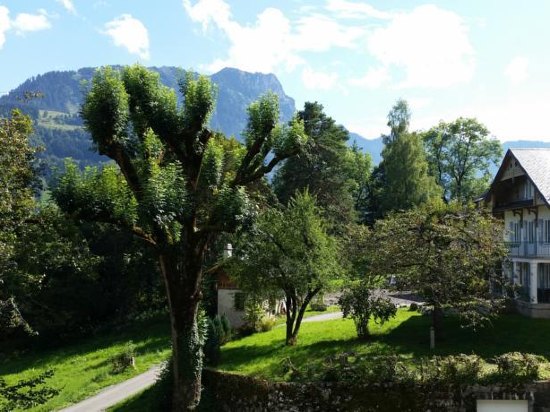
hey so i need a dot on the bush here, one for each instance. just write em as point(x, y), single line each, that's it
point(457, 369)
point(267, 323)
point(253, 313)
point(218, 334)
point(517, 367)
point(359, 302)
point(413, 307)
point(318, 307)
point(124, 359)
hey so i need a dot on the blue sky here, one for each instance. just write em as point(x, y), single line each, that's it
point(487, 59)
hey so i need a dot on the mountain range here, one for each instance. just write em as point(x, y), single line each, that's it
point(59, 128)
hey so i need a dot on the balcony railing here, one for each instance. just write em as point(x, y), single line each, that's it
point(529, 249)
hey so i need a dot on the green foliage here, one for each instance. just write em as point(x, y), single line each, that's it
point(318, 307)
point(399, 119)
point(124, 359)
point(401, 181)
point(289, 252)
point(454, 369)
point(267, 323)
point(98, 194)
point(360, 302)
point(335, 174)
point(26, 393)
point(517, 367)
point(253, 314)
point(426, 250)
point(460, 155)
point(179, 190)
point(106, 112)
point(17, 178)
point(406, 180)
point(218, 333)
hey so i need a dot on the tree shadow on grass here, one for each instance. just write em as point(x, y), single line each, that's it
point(148, 336)
point(507, 333)
point(410, 338)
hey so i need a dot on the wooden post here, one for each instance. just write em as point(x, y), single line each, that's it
point(432, 337)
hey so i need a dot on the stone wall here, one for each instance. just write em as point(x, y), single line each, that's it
point(246, 394)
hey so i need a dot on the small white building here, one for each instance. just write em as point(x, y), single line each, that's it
point(520, 195)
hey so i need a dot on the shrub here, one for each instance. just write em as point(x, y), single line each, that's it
point(318, 307)
point(517, 367)
point(361, 304)
point(125, 359)
point(413, 307)
point(267, 323)
point(457, 369)
point(218, 334)
point(253, 313)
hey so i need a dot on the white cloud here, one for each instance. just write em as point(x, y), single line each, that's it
point(317, 80)
point(130, 33)
point(204, 11)
point(517, 70)
point(68, 5)
point(351, 10)
point(318, 33)
point(430, 44)
point(273, 40)
point(373, 79)
point(25, 22)
point(4, 24)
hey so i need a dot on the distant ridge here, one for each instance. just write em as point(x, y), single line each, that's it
point(59, 128)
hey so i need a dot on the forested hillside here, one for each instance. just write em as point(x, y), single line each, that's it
point(53, 101)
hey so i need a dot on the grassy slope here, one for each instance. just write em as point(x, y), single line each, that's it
point(83, 369)
point(407, 335)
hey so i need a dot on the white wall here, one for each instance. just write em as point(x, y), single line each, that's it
point(502, 406)
point(226, 305)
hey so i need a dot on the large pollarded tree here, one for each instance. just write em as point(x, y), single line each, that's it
point(177, 184)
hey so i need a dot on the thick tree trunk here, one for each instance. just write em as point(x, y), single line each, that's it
point(182, 279)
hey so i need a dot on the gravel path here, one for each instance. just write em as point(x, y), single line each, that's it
point(116, 393)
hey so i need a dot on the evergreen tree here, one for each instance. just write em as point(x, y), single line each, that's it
point(327, 167)
point(401, 181)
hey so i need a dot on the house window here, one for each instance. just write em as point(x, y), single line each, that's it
point(524, 274)
point(239, 301)
point(544, 276)
point(515, 232)
point(531, 231)
point(546, 236)
point(528, 190)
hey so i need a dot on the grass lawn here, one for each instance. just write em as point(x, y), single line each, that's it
point(281, 320)
point(83, 369)
point(407, 335)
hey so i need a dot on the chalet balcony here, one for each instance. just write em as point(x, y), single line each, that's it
point(529, 249)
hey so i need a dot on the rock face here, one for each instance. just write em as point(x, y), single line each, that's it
point(236, 90)
point(58, 126)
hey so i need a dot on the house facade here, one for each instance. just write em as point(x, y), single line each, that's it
point(520, 196)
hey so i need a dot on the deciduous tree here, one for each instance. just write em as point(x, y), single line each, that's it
point(177, 185)
point(460, 155)
point(449, 254)
point(288, 252)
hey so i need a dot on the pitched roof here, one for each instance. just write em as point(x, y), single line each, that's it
point(536, 163)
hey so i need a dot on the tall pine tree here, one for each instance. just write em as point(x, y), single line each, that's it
point(402, 179)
